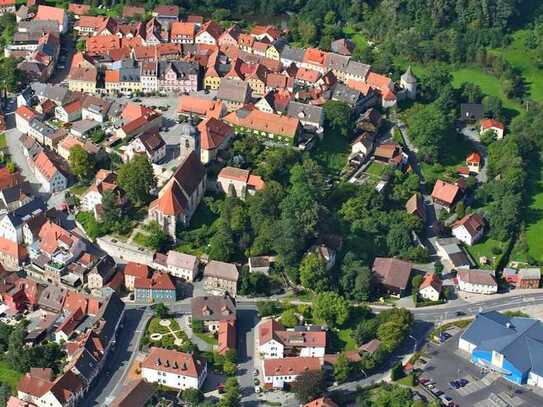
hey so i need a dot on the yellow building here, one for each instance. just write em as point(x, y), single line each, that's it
point(273, 53)
point(212, 80)
point(82, 80)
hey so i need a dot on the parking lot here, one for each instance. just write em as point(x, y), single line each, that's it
point(447, 369)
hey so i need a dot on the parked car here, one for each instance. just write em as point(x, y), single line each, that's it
point(257, 389)
point(255, 372)
point(454, 385)
point(460, 313)
point(463, 382)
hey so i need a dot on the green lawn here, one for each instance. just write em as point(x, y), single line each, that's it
point(155, 327)
point(376, 169)
point(485, 248)
point(489, 84)
point(210, 339)
point(534, 213)
point(79, 189)
point(524, 59)
point(9, 376)
point(3, 143)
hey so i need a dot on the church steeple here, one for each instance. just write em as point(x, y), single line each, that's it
point(189, 139)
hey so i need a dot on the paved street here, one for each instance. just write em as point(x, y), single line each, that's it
point(109, 383)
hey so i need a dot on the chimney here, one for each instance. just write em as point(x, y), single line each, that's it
point(167, 364)
point(158, 362)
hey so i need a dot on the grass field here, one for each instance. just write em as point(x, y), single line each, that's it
point(376, 169)
point(9, 376)
point(486, 249)
point(534, 213)
point(207, 338)
point(524, 59)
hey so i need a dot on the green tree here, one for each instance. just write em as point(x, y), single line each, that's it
point(136, 178)
point(268, 308)
point(155, 237)
point(193, 397)
point(342, 368)
point(308, 386)
point(416, 281)
point(221, 245)
point(112, 211)
point(430, 130)
point(436, 77)
point(232, 394)
point(289, 318)
point(5, 393)
point(161, 310)
point(197, 325)
point(313, 273)
point(396, 373)
point(338, 118)
point(82, 163)
point(331, 308)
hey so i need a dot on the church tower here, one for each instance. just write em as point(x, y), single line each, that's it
point(189, 139)
point(409, 83)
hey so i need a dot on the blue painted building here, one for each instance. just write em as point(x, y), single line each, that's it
point(510, 346)
point(158, 288)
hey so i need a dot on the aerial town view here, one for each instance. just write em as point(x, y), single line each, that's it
point(307, 203)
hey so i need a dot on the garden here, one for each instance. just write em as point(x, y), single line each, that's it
point(165, 333)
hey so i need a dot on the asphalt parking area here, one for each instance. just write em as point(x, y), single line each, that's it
point(445, 363)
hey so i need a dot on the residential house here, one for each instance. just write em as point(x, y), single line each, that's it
point(445, 194)
point(133, 271)
point(221, 277)
point(40, 131)
point(175, 77)
point(267, 125)
point(70, 112)
point(415, 206)
point(101, 273)
point(452, 254)
point(389, 153)
point(82, 79)
point(179, 265)
point(180, 197)
point(234, 93)
point(260, 264)
point(151, 144)
point(157, 288)
point(309, 116)
point(48, 173)
point(342, 46)
point(237, 182)
point(133, 393)
point(7, 6)
point(215, 136)
point(363, 144)
point(200, 106)
point(95, 108)
point(292, 56)
point(276, 342)
point(471, 112)
point(278, 372)
point(12, 254)
point(24, 115)
point(209, 34)
point(22, 296)
point(430, 288)
point(529, 277)
point(213, 309)
point(166, 15)
point(39, 388)
point(182, 32)
point(477, 281)
point(78, 10)
point(493, 125)
point(11, 224)
point(473, 162)
point(173, 369)
point(56, 14)
point(505, 344)
point(470, 229)
point(133, 11)
point(392, 274)
point(138, 120)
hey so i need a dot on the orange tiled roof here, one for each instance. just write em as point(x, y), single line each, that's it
point(381, 82)
point(491, 123)
point(179, 28)
point(445, 192)
point(50, 13)
point(267, 122)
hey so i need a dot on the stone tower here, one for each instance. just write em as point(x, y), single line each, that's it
point(189, 139)
point(409, 83)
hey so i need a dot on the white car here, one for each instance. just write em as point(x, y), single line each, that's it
point(257, 389)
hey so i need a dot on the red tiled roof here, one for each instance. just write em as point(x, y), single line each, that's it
point(45, 166)
point(307, 75)
point(445, 192)
point(491, 123)
point(133, 11)
point(381, 82)
point(26, 113)
point(235, 174)
point(158, 281)
point(50, 13)
point(5, 3)
point(321, 402)
point(102, 44)
point(392, 272)
point(227, 336)
point(473, 222)
point(213, 133)
point(474, 158)
point(136, 270)
point(431, 280)
point(290, 366)
point(33, 385)
point(314, 56)
point(171, 361)
point(212, 28)
point(267, 122)
point(179, 28)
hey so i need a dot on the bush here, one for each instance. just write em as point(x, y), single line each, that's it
point(197, 326)
point(396, 373)
point(289, 318)
point(268, 308)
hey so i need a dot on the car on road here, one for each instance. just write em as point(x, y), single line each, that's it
point(257, 389)
point(454, 385)
point(460, 313)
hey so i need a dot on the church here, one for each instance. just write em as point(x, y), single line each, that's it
point(178, 199)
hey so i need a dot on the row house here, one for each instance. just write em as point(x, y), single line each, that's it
point(183, 32)
point(82, 79)
point(179, 265)
point(151, 144)
point(7, 6)
point(12, 224)
point(268, 125)
point(208, 34)
point(276, 342)
point(220, 277)
point(278, 372)
point(70, 112)
point(155, 289)
point(477, 281)
point(56, 14)
point(200, 106)
point(166, 15)
point(133, 271)
point(48, 173)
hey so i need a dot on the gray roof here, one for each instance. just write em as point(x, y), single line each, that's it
point(345, 94)
point(471, 111)
point(219, 269)
point(42, 128)
point(129, 75)
point(233, 90)
point(26, 212)
point(358, 68)
point(519, 340)
point(13, 193)
point(83, 126)
point(57, 94)
point(293, 54)
point(38, 26)
point(182, 68)
point(336, 61)
point(213, 308)
point(408, 76)
point(305, 112)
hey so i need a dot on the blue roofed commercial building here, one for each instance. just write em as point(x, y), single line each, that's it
point(510, 346)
